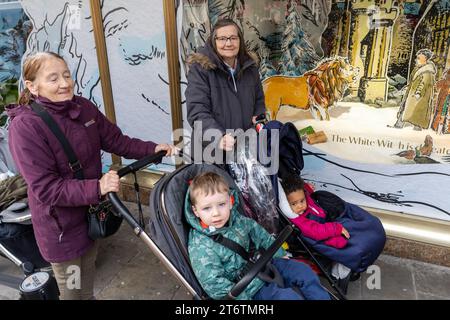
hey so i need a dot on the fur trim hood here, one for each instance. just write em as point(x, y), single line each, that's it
point(208, 60)
point(428, 67)
point(202, 60)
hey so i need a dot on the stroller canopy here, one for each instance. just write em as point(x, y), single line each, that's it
point(290, 150)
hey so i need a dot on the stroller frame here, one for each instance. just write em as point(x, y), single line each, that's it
point(10, 281)
point(140, 232)
point(47, 290)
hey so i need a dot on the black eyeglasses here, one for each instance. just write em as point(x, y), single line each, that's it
point(225, 39)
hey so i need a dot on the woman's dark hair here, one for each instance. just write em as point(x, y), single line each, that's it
point(292, 183)
point(243, 52)
point(426, 52)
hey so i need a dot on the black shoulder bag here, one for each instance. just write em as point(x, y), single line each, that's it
point(102, 218)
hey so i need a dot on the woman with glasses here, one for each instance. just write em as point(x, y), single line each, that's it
point(224, 89)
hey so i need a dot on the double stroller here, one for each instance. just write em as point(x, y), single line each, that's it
point(168, 230)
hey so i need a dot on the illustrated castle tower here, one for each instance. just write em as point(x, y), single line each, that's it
point(409, 15)
point(362, 30)
point(371, 25)
point(433, 32)
point(336, 37)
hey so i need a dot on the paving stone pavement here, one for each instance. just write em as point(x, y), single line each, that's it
point(128, 270)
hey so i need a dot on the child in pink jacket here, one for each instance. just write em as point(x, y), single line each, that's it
point(308, 216)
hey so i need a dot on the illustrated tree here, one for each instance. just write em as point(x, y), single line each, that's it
point(298, 55)
point(258, 45)
point(266, 68)
point(8, 94)
point(226, 9)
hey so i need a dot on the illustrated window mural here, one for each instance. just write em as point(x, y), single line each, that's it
point(136, 46)
point(14, 30)
point(366, 82)
point(136, 57)
point(65, 27)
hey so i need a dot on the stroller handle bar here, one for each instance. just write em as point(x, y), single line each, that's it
point(138, 230)
point(141, 163)
point(131, 168)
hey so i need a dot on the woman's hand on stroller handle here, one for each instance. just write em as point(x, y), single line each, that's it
point(228, 140)
point(109, 182)
point(259, 119)
point(170, 149)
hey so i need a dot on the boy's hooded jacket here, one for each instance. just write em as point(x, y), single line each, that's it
point(216, 266)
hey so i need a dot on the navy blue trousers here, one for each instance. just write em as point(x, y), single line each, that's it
point(295, 275)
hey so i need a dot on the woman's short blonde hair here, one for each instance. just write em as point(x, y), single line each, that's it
point(31, 67)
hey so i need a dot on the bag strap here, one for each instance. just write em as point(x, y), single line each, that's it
point(74, 164)
point(268, 274)
point(232, 245)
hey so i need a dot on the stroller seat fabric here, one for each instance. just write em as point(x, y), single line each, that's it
point(168, 227)
point(20, 241)
point(367, 235)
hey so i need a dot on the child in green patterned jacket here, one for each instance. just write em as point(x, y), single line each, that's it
point(211, 208)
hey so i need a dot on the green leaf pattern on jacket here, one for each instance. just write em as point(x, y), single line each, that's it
point(216, 266)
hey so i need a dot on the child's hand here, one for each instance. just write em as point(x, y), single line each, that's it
point(345, 233)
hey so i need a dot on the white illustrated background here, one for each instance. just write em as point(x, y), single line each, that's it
point(136, 45)
point(134, 33)
point(363, 160)
point(416, 186)
point(419, 190)
point(65, 27)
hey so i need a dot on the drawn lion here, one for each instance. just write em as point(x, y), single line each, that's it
point(316, 90)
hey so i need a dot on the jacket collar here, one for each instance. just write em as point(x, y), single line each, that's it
point(427, 67)
point(209, 60)
point(69, 107)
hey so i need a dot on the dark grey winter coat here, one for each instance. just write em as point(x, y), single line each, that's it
point(211, 96)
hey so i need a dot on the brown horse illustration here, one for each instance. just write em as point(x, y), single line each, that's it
point(316, 90)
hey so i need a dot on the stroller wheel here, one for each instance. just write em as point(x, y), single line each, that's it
point(355, 276)
point(343, 283)
point(39, 286)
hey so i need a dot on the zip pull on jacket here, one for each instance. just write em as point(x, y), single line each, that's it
point(232, 71)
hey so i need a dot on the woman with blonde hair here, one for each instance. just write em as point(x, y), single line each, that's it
point(57, 199)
